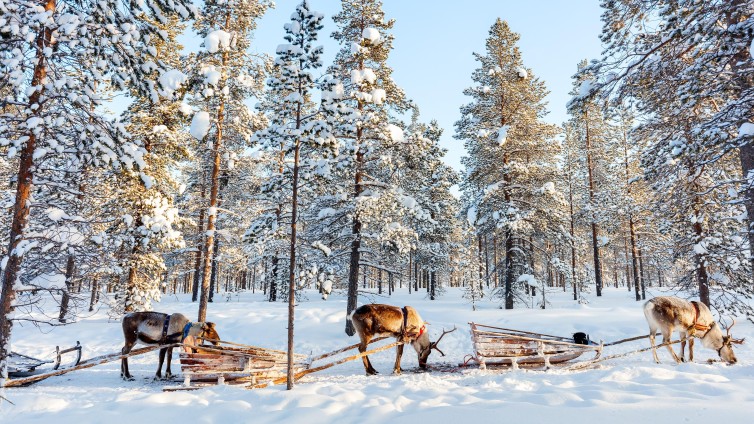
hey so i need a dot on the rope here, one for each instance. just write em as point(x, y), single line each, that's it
point(620, 355)
point(630, 339)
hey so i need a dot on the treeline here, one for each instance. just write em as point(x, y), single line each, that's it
point(333, 180)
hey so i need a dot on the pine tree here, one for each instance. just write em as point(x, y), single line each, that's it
point(298, 129)
point(56, 110)
point(371, 142)
point(511, 166)
point(594, 132)
point(224, 77)
point(698, 53)
point(148, 233)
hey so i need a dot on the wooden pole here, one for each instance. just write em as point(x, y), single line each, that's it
point(98, 360)
point(326, 366)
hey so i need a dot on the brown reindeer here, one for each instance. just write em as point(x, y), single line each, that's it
point(155, 328)
point(404, 324)
point(692, 319)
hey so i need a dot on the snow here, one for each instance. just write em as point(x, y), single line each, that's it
point(44, 281)
point(200, 124)
point(585, 88)
point(396, 133)
point(548, 187)
point(319, 245)
point(211, 75)
point(217, 40)
point(360, 75)
point(521, 72)
point(746, 129)
point(185, 108)
point(528, 279)
point(378, 96)
point(624, 390)
point(171, 81)
point(502, 135)
point(56, 214)
point(372, 35)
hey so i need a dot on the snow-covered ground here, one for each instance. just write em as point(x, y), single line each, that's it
point(626, 390)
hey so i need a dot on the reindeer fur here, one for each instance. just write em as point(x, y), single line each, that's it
point(373, 320)
point(146, 328)
point(668, 314)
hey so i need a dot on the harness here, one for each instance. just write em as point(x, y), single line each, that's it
point(165, 326)
point(697, 326)
point(165, 335)
point(186, 329)
point(405, 324)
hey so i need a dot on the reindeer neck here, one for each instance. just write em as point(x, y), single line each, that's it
point(713, 338)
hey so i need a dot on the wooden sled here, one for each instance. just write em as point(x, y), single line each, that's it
point(20, 365)
point(254, 367)
point(495, 346)
point(233, 363)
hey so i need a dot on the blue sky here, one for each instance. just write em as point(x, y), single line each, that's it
point(434, 40)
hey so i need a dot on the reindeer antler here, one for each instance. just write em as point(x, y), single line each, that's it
point(444, 332)
point(729, 327)
point(732, 340)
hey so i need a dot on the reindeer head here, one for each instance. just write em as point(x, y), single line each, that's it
point(202, 331)
point(424, 347)
point(726, 350)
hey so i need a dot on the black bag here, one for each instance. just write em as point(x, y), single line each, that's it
point(581, 338)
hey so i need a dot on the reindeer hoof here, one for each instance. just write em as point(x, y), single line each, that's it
point(127, 378)
point(372, 372)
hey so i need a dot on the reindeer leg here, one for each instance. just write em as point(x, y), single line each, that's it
point(652, 334)
point(168, 374)
point(398, 354)
point(683, 336)
point(665, 339)
point(367, 364)
point(124, 362)
point(691, 349)
point(158, 374)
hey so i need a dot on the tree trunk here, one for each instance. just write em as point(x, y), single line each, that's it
point(95, 296)
point(353, 272)
point(573, 240)
point(22, 203)
point(701, 268)
point(509, 271)
point(739, 64)
point(213, 286)
point(199, 248)
point(292, 265)
point(638, 276)
point(70, 266)
point(595, 246)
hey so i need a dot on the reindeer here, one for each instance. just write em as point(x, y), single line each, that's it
point(404, 324)
point(690, 318)
point(155, 328)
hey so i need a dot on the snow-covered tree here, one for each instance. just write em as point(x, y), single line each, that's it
point(143, 200)
point(510, 169)
point(371, 203)
point(56, 55)
point(225, 75)
point(300, 132)
point(685, 63)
